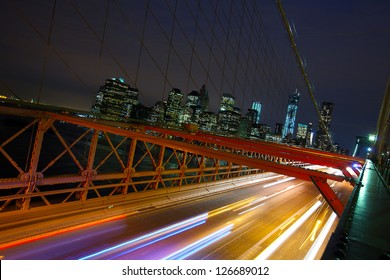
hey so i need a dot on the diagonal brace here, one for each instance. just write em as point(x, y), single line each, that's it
point(328, 194)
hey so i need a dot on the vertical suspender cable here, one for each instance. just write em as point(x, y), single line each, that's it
point(193, 45)
point(104, 28)
point(226, 46)
point(141, 43)
point(47, 52)
point(238, 51)
point(211, 45)
point(170, 48)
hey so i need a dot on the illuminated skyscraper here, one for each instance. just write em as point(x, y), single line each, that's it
point(256, 105)
point(204, 99)
point(116, 98)
point(227, 102)
point(279, 129)
point(193, 99)
point(208, 121)
point(157, 113)
point(174, 108)
point(228, 116)
point(322, 141)
point(302, 131)
point(309, 135)
point(292, 109)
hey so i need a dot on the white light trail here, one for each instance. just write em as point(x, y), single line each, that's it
point(281, 239)
point(278, 182)
point(321, 238)
point(200, 244)
point(158, 235)
point(250, 209)
point(314, 232)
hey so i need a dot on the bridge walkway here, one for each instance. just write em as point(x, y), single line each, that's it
point(363, 232)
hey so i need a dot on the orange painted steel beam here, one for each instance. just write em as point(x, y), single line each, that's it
point(280, 150)
point(255, 163)
point(262, 164)
point(246, 145)
point(329, 195)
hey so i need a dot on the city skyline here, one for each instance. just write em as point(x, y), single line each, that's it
point(117, 99)
point(72, 50)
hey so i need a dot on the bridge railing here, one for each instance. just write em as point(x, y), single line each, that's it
point(49, 159)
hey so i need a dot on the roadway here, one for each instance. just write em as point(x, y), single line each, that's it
point(241, 224)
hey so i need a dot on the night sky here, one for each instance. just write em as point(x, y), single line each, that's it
point(231, 46)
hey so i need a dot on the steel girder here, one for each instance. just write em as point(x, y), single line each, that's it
point(185, 148)
point(236, 150)
point(96, 161)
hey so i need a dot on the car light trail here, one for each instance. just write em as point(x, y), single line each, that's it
point(314, 232)
point(251, 209)
point(61, 231)
point(278, 182)
point(254, 202)
point(279, 241)
point(286, 223)
point(267, 178)
point(200, 244)
point(158, 234)
point(157, 240)
point(321, 238)
point(238, 205)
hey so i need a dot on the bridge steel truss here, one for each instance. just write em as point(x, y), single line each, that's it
point(57, 159)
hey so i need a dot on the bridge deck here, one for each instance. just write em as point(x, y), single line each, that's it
point(364, 228)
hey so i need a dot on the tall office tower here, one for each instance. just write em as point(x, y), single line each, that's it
point(173, 110)
point(115, 98)
point(193, 99)
point(228, 116)
point(309, 135)
point(251, 115)
point(157, 114)
point(228, 122)
point(279, 129)
point(192, 108)
point(301, 131)
point(186, 115)
point(301, 134)
point(322, 141)
point(227, 102)
point(292, 109)
point(204, 99)
point(208, 121)
point(245, 127)
point(256, 105)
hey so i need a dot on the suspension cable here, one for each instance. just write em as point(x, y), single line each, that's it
point(46, 53)
point(302, 68)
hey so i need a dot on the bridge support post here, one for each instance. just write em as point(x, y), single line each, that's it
point(33, 175)
point(216, 170)
point(201, 167)
point(160, 169)
point(130, 161)
point(183, 167)
point(328, 194)
point(89, 172)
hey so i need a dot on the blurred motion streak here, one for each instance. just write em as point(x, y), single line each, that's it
point(154, 236)
point(279, 241)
